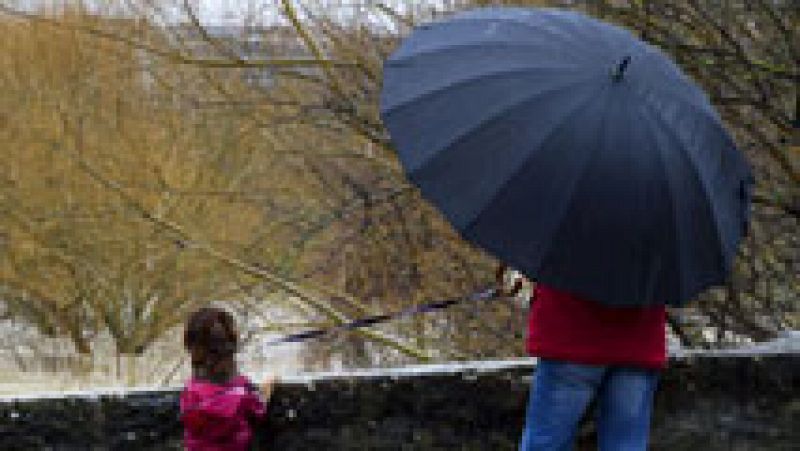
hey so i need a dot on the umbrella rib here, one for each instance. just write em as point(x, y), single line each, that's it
point(696, 174)
point(709, 114)
point(688, 98)
point(706, 112)
point(537, 29)
point(465, 82)
point(495, 116)
point(576, 182)
point(555, 130)
point(463, 46)
point(670, 188)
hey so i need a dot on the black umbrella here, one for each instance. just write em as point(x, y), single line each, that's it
point(571, 150)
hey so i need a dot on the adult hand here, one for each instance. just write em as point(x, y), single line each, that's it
point(500, 280)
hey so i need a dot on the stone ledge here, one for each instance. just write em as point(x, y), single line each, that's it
point(719, 402)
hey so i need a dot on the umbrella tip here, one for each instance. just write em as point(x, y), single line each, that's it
point(618, 72)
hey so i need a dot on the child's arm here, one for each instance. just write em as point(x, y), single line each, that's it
point(257, 398)
point(266, 387)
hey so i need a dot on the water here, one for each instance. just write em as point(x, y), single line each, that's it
point(412, 371)
point(787, 342)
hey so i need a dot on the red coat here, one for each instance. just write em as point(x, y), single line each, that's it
point(565, 327)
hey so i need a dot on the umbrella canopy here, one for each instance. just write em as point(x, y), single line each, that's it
point(571, 150)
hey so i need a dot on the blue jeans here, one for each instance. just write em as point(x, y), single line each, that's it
point(562, 391)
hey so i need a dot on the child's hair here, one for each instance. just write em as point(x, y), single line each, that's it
point(211, 340)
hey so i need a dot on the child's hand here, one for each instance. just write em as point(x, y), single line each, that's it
point(267, 386)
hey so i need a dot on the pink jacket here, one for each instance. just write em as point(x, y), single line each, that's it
point(219, 417)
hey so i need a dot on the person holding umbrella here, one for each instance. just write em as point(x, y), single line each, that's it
point(588, 351)
point(584, 158)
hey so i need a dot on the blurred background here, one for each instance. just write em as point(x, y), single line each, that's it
point(158, 156)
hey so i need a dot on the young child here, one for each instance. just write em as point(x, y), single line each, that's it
point(219, 407)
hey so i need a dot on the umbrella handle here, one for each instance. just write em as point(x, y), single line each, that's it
point(500, 281)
